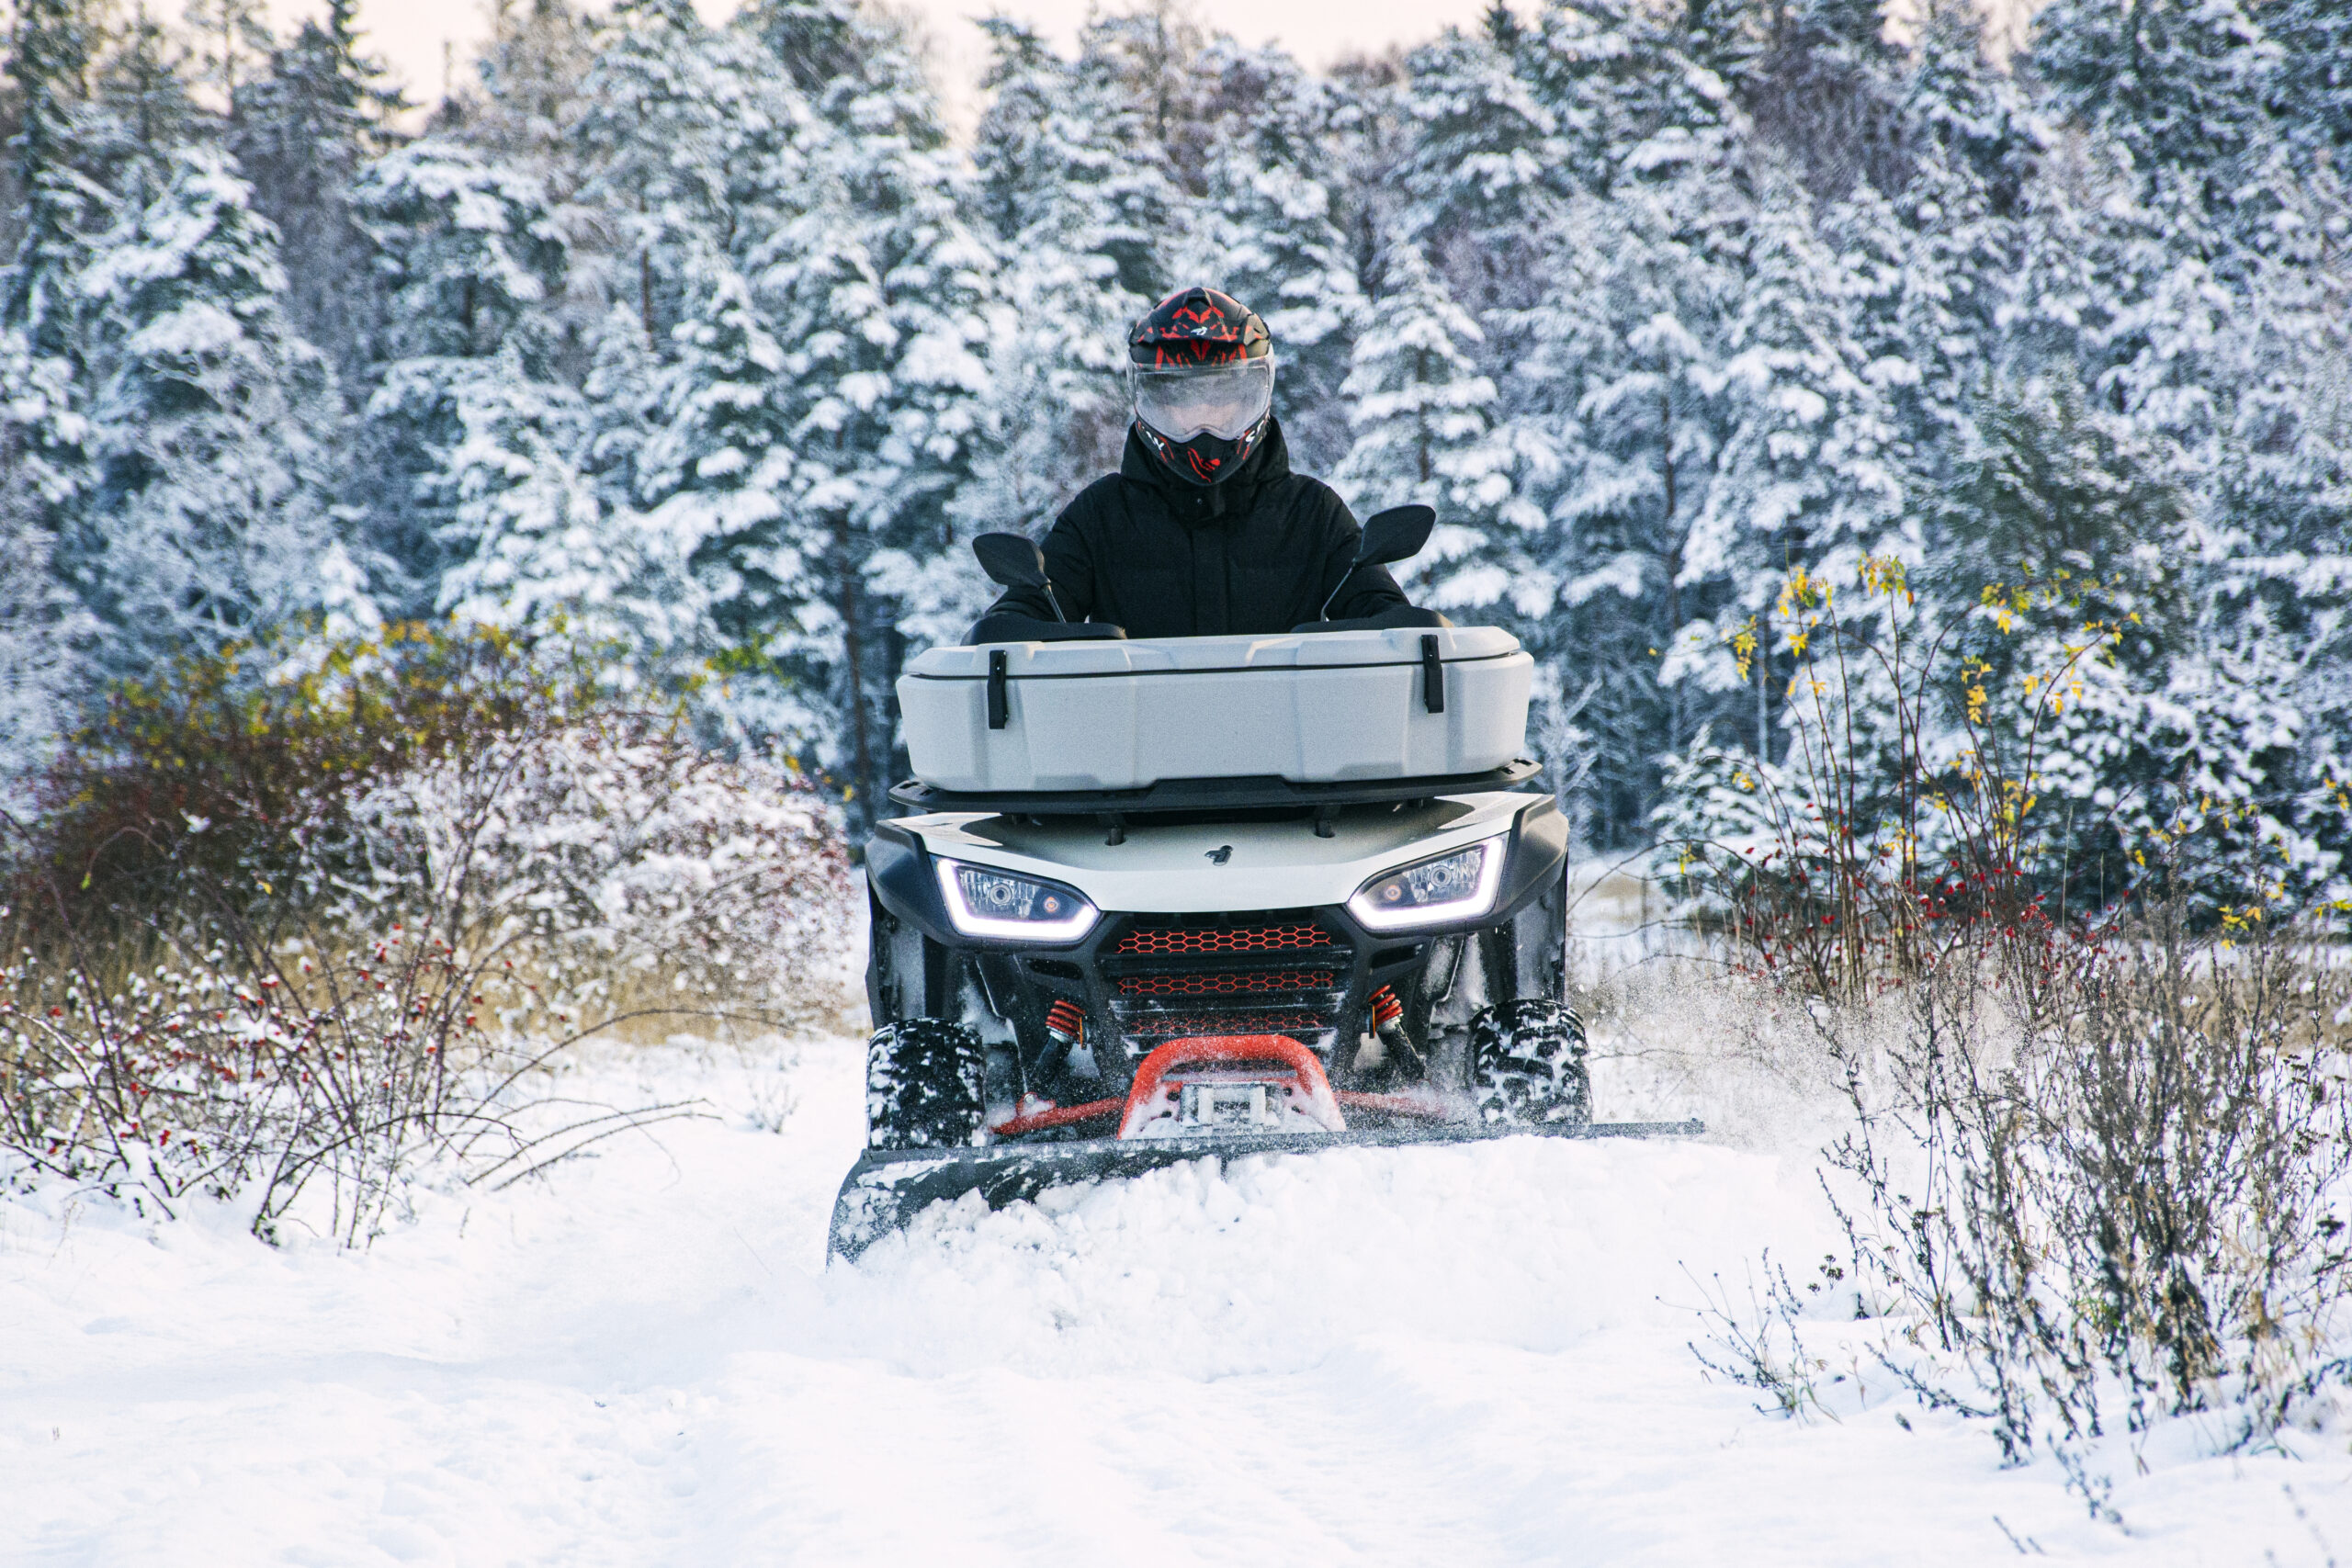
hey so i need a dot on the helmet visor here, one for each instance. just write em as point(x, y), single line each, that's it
point(1222, 400)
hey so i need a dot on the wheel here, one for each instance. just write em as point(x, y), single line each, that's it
point(923, 1078)
point(1527, 1064)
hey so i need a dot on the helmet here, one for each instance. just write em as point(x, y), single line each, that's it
point(1201, 369)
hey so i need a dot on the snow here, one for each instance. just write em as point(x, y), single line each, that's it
point(1463, 1355)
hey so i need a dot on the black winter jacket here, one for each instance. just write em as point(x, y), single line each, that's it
point(1253, 556)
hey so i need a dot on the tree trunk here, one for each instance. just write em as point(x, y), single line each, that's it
point(853, 657)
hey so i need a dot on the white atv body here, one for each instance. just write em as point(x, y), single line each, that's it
point(1160, 898)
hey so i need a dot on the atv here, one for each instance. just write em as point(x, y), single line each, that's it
point(1158, 899)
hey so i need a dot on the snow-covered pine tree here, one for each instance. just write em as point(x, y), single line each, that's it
point(1617, 410)
point(2312, 88)
point(624, 390)
point(1479, 174)
point(42, 459)
point(41, 622)
point(881, 298)
point(1267, 233)
point(676, 146)
point(715, 475)
point(1142, 57)
point(207, 515)
point(45, 458)
point(139, 110)
point(1932, 259)
point(1823, 93)
point(2067, 532)
point(525, 533)
point(470, 260)
point(526, 105)
point(300, 130)
point(1423, 413)
point(1808, 472)
point(1056, 183)
point(2184, 87)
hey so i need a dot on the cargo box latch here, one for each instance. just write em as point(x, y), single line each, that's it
point(999, 700)
point(1432, 676)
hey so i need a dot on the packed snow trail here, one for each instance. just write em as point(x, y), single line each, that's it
point(1459, 1356)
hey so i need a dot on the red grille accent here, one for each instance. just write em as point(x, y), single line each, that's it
point(1174, 1025)
point(1223, 939)
point(1238, 983)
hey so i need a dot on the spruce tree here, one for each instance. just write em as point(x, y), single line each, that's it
point(207, 515)
point(300, 131)
point(1056, 186)
point(45, 437)
point(2312, 86)
point(471, 261)
point(1479, 174)
point(716, 477)
point(2183, 86)
point(1422, 414)
point(676, 146)
point(1269, 234)
point(879, 295)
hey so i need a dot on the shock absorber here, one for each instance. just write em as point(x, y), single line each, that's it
point(1065, 1030)
point(1388, 1028)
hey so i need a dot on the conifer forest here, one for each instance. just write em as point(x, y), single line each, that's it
point(1719, 332)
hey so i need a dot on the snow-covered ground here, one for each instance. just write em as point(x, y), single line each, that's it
point(1458, 1357)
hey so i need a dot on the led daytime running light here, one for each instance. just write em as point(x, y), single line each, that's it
point(971, 922)
point(1377, 916)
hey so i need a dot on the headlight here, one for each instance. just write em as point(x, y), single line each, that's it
point(1456, 887)
point(984, 901)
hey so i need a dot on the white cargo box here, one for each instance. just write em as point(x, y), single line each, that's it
point(1324, 707)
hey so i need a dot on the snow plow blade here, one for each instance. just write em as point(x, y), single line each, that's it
point(888, 1187)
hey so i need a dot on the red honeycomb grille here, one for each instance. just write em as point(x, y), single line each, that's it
point(1224, 939)
point(1238, 984)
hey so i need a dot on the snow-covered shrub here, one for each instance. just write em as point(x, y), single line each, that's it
point(2084, 1209)
point(624, 870)
point(225, 779)
point(329, 918)
point(1899, 823)
point(247, 1071)
point(486, 788)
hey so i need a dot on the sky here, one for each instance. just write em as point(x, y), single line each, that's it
point(412, 35)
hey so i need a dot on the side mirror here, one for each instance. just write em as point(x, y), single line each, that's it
point(1394, 535)
point(1012, 560)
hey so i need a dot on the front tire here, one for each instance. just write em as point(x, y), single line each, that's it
point(1527, 1065)
point(924, 1080)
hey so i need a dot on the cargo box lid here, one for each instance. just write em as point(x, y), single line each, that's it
point(1202, 655)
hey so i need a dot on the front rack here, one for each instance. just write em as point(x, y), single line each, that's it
point(1258, 794)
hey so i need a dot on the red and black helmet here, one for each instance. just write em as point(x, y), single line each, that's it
point(1202, 367)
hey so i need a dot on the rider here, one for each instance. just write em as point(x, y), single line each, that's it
point(1204, 530)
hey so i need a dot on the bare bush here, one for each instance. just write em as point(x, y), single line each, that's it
point(233, 1072)
point(1761, 1348)
point(2109, 1199)
point(2090, 1145)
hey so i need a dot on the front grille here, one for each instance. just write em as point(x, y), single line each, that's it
point(1171, 940)
point(1275, 972)
point(1228, 983)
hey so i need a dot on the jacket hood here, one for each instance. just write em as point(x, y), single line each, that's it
point(1201, 503)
